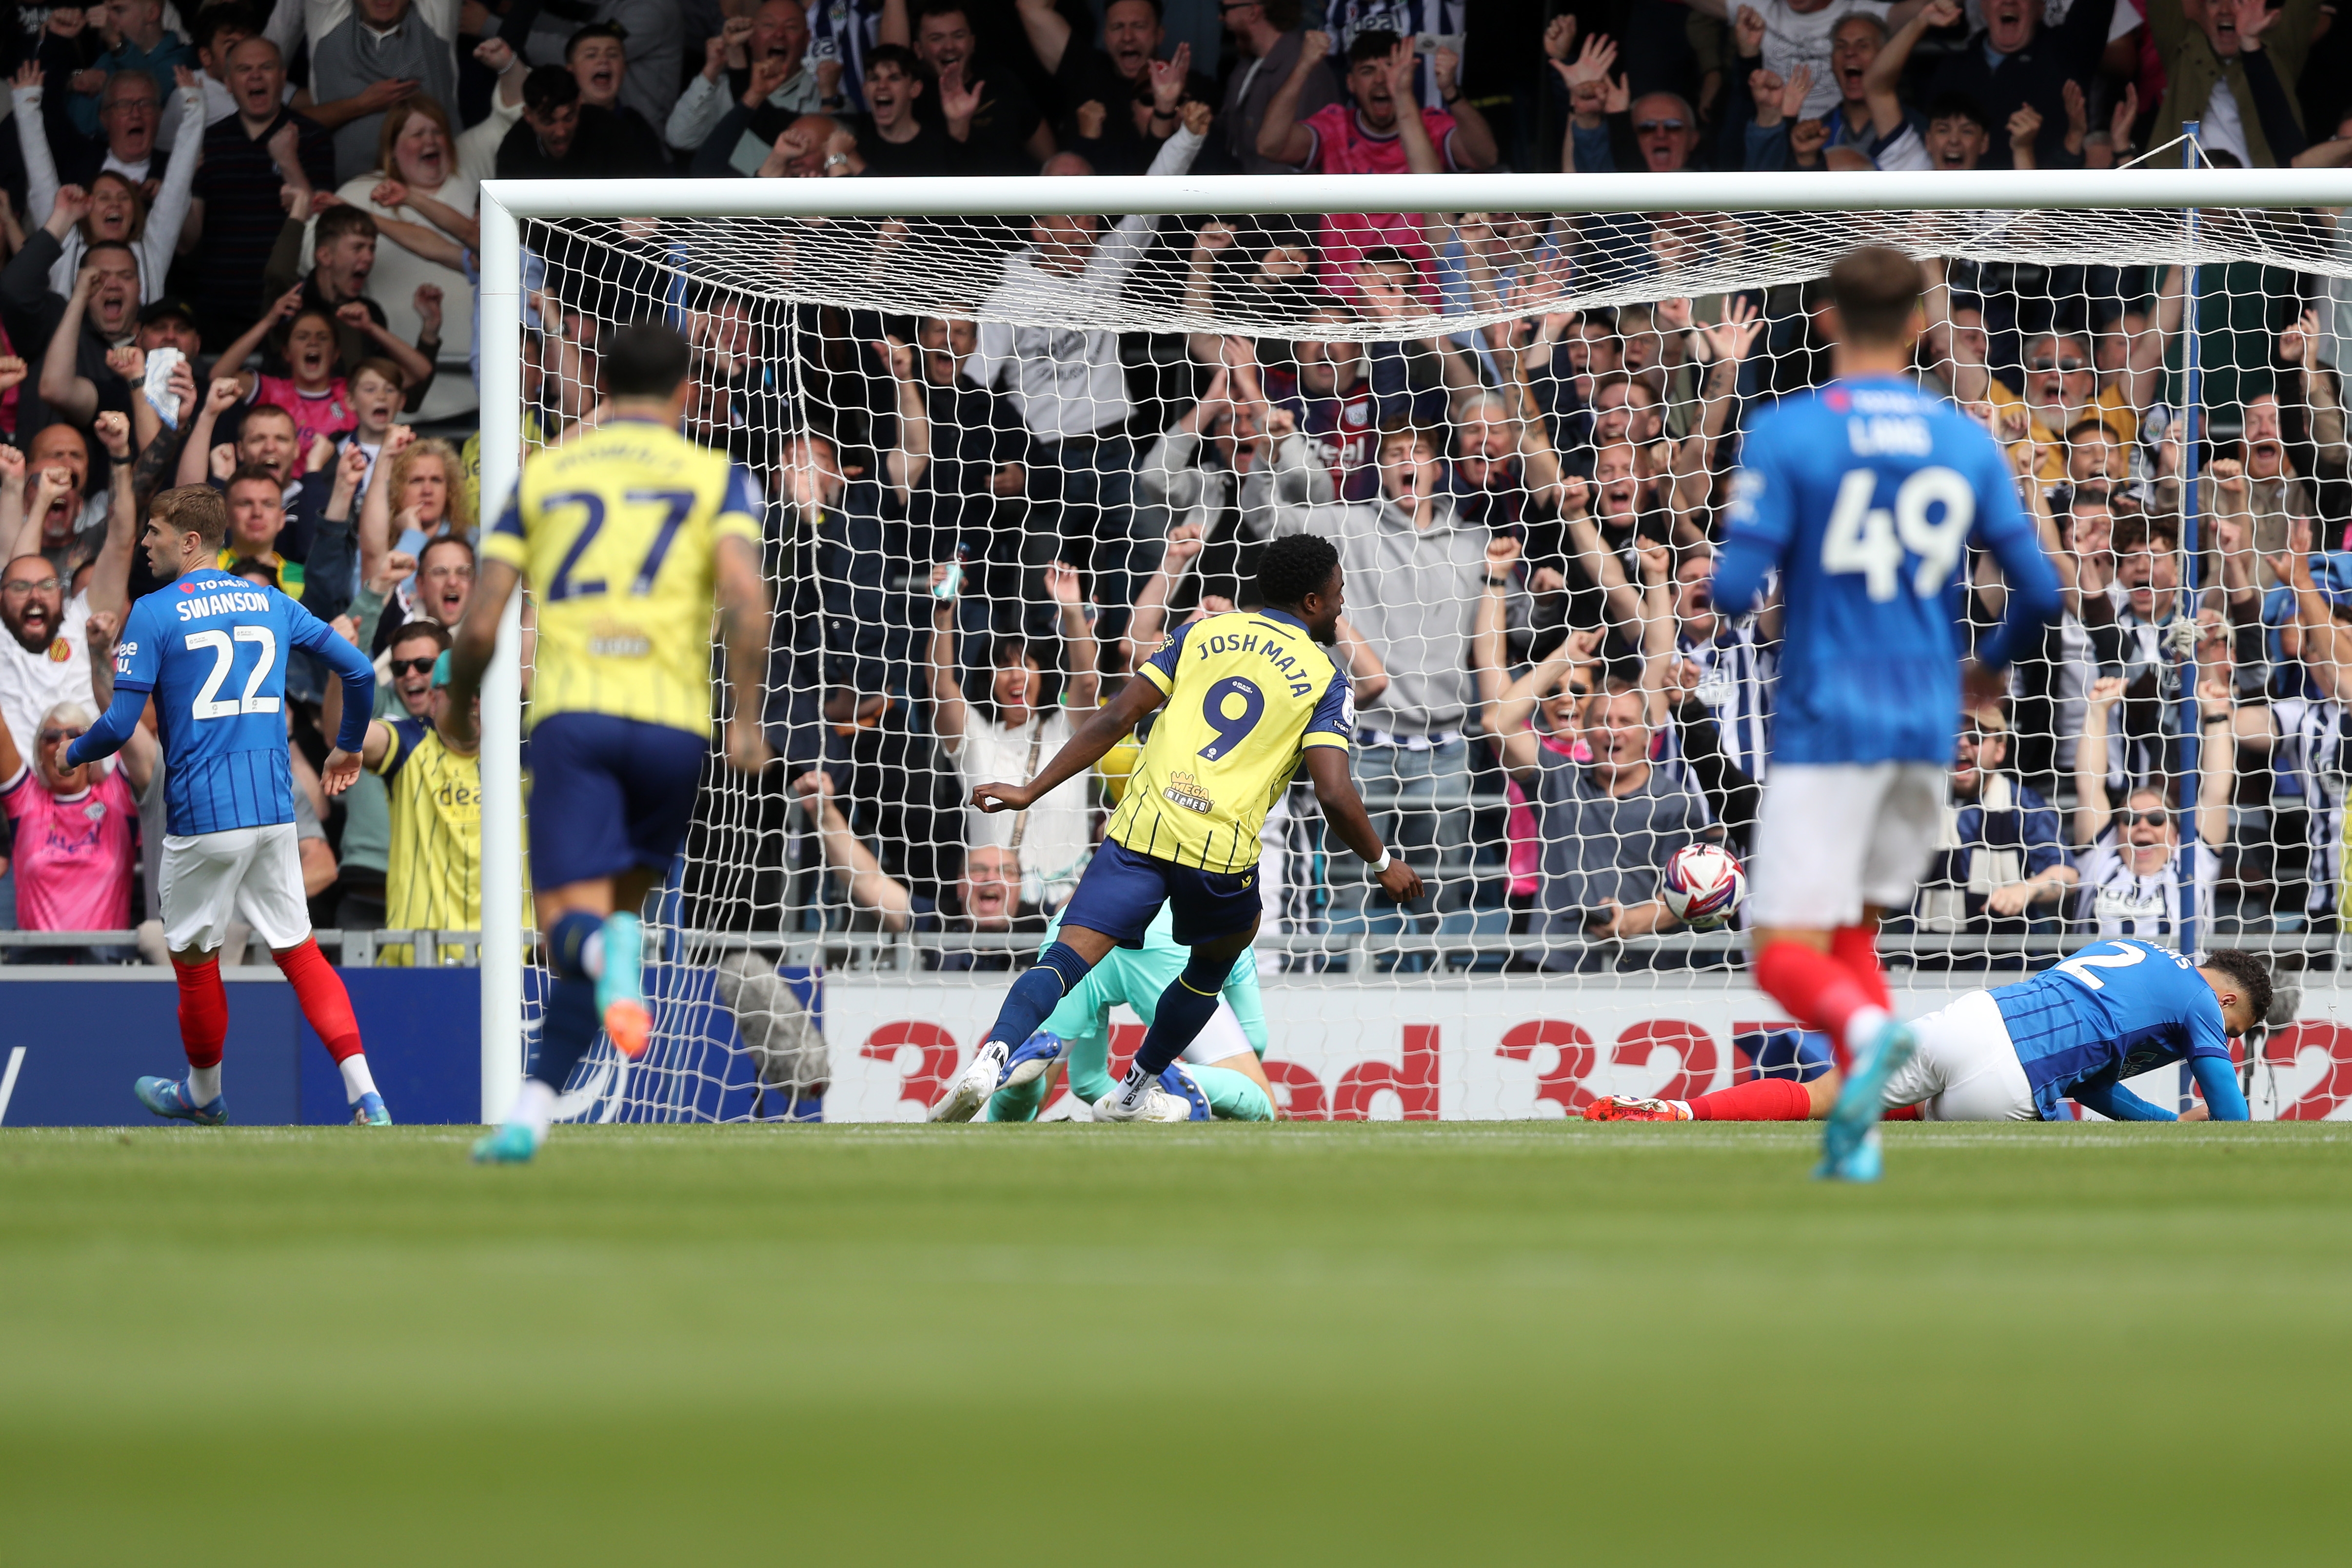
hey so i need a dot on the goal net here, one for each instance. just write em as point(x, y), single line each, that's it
point(1007, 453)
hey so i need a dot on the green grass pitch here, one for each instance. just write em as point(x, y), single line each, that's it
point(1310, 1343)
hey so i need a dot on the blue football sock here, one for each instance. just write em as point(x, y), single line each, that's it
point(1185, 1009)
point(567, 1028)
point(1037, 992)
point(568, 941)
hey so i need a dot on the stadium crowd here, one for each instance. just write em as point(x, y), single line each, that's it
point(240, 248)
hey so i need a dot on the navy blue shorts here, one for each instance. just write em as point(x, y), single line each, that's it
point(1121, 893)
point(608, 795)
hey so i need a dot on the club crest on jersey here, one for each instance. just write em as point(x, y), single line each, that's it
point(59, 651)
point(1185, 790)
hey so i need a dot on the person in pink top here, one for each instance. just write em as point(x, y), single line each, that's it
point(1378, 129)
point(76, 830)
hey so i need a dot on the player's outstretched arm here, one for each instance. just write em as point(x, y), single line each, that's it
point(743, 623)
point(2218, 1080)
point(2116, 1103)
point(1343, 808)
point(1095, 738)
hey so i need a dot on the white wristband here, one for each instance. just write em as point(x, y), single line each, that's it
point(1382, 864)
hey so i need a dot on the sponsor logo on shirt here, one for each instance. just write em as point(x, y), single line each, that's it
point(611, 640)
point(1185, 790)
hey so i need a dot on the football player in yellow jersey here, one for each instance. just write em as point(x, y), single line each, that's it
point(627, 532)
point(1248, 696)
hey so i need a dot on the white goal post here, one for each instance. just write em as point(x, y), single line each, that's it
point(2134, 210)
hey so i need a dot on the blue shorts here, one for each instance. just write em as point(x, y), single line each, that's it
point(608, 795)
point(1121, 893)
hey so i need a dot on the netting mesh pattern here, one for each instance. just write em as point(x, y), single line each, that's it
point(1004, 458)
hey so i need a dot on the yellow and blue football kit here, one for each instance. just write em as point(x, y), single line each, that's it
point(1247, 693)
point(433, 877)
point(617, 530)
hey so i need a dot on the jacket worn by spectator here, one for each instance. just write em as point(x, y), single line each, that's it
point(2036, 74)
point(1251, 89)
point(834, 631)
point(1413, 593)
point(2203, 86)
point(159, 236)
point(2006, 835)
point(1066, 388)
point(1600, 848)
point(1185, 480)
point(30, 309)
point(353, 55)
point(238, 183)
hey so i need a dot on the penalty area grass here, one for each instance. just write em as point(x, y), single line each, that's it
point(1311, 1342)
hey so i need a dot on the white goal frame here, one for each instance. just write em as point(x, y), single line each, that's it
point(506, 204)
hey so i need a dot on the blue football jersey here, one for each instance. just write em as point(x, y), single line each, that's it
point(1865, 496)
point(2112, 1011)
point(212, 649)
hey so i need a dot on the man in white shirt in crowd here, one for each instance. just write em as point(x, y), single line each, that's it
point(1069, 383)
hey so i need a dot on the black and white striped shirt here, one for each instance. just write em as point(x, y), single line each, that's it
point(2115, 900)
point(1738, 669)
point(2310, 756)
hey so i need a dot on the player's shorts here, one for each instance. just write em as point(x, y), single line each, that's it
point(1966, 1069)
point(608, 795)
point(254, 874)
point(1122, 891)
point(1832, 838)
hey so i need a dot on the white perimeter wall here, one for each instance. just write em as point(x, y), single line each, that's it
point(1482, 1049)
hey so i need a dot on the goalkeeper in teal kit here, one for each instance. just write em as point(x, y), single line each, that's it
point(1219, 1075)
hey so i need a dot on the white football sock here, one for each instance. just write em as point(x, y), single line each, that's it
point(1862, 1028)
point(1131, 1089)
point(534, 1108)
point(204, 1084)
point(357, 1079)
point(592, 957)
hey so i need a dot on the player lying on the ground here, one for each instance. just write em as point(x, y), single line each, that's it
point(629, 533)
point(1248, 697)
point(2112, 1011)
point(1219, 1075)
point(211, 649)
point(1863, 499)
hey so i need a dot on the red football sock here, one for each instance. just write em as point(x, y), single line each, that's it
point(320, 991)
point(1759, 1100)
point(1899, 1114)
point(1856, 947)
point(1818, 991)
point(203, 1011)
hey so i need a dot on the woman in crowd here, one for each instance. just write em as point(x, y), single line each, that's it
point(1026, 717)
point(424, 193)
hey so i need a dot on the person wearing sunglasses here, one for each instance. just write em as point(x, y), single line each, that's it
point(75, 852)
point(2133, 880)
point(2063, 392)
point(405, 692)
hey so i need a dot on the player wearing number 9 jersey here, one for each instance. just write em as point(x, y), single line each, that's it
point(210, 650)
point(1244, 699)
point(1865, 497)
point(632, 536)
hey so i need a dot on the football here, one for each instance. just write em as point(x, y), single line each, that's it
point(1703, 885)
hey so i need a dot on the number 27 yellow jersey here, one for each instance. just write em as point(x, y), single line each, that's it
point(1247, 693)
point(617, 530)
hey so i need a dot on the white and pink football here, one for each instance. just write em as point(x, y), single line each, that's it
point(1703, 885)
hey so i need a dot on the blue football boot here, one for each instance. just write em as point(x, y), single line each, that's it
point(1178, 1082)
point(1848, 1150)
point(512, 1144)
point(169, 1097)
point(370, 1111)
